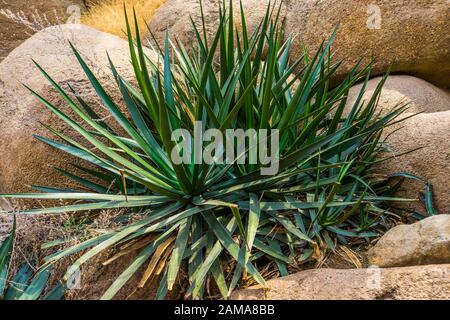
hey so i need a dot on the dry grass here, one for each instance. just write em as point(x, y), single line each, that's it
point(96, 275)
point(108, 15)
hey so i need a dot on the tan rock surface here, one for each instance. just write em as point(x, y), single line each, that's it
point(419, 282)
point(423, 242)
point(174, 17)
point(26, 161)
point(431, 133)
point(414, 34)
point(20, 19)
point(421, 95)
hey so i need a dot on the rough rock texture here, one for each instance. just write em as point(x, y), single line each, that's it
point(174, 16)
point(420, 282)
point(430, 132)
point(25, 161)
point(421, 95)
point(423, 242)
point(414, 34)
point(19, 19)
point(91, 3)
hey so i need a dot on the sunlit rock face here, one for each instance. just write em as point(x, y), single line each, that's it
point(25, 160)
point(20, 19)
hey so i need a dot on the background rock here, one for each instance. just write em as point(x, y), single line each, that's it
point(423, 242)
point(424, 282)
point(19, 19)
point(174, 16)
point(430, 132)
point(421, 95)
point(414, 34)
point(25, 161)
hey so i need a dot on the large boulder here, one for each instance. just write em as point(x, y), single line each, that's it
point(423, 242)
point(420, 95)
point(419, 282)
point(174, 17)
point(431, 133)
point(413, 34)
point(19, 19)
point(25, 161)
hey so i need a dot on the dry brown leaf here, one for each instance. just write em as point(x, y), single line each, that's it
point(135, 245)
point(162, 263)
point(351, 257)
point(154, 261)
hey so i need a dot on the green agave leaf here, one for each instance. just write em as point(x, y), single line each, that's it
point(5, 256)
point(178, 252)
point(199, 275)
point(219, 277)
point(19, 282)
point(57, 293)
point(126, 231)
point(86, 207)
point(227, 242)
point(271, 251)
point(282, 267)
point(78, 247)
point(142, 257)
point(87, 196)
point(282, 206)
point(37, 285)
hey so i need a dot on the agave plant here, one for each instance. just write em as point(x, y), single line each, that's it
point(220, 221)
point(24, 285)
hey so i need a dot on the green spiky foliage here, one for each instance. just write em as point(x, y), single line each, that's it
point(220, 223)
point(25, 284)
